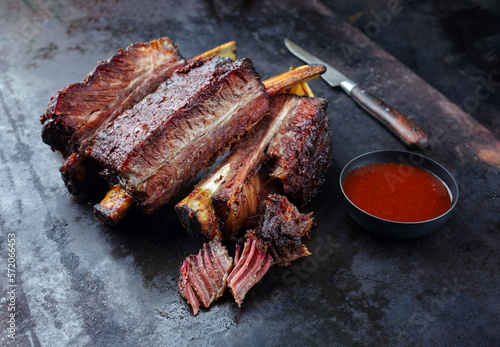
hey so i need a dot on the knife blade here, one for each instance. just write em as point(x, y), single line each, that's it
point(407, 131)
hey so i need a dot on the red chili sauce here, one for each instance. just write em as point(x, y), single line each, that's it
point(397, 192)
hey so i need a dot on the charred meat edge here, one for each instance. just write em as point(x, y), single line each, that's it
point(300, 153)
point(283, 229)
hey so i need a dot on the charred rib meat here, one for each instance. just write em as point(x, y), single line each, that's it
point(79, 111)
point(111, 213)
point(147, 122)
point(300, 153)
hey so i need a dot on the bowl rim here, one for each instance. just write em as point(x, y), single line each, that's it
point(454, 197)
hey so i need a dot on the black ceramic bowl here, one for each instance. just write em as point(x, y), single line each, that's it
point(394, 229)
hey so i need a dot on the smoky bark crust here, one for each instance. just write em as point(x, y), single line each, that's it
point(300, 153)
point(157, 146)
point(282, 228)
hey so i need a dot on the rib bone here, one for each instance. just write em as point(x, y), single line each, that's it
point(114, 206)
point(226, 50)
point(289, 79)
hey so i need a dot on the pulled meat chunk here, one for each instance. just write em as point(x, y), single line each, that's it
point(282, 228)
point(203, 277)
point(249, 268)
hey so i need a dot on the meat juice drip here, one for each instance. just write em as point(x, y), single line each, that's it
point(397, 192)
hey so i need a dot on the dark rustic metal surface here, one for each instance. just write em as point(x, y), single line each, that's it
point(80, 282)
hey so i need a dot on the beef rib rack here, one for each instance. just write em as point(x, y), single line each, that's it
point(147, 121)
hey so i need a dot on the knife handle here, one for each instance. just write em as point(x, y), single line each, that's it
point(410, 133)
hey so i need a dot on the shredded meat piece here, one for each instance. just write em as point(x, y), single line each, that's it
point(282, 228)
point(251, 266)
point(203, 277)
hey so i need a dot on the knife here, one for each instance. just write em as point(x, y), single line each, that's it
point(407, 131)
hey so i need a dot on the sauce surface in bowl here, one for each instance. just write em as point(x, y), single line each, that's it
point(397, 192)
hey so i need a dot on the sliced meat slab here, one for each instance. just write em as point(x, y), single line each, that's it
point(251, 265)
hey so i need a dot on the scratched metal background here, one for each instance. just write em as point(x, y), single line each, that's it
point(86, 284)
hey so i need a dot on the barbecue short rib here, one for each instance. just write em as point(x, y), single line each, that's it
point(78, 112)
point(288, 150)
point(153, 149)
